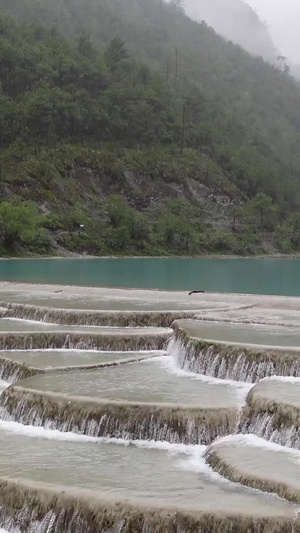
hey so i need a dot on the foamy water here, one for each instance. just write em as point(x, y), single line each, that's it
point(170, 364)
point(197, 463)
point(253, 441)
point(285, 379)
point(39, 432)
point(3, 386)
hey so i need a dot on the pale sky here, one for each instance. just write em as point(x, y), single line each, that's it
point(283, 18)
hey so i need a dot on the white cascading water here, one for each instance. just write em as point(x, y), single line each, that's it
point(110, 426)
point(237, 368)
point(262, 425)
point(31, 424)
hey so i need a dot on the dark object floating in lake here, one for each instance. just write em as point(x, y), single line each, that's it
point(55, 292)
point(196, 292)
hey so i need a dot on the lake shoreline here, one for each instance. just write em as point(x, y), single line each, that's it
point(146, 257)
point(62, 290)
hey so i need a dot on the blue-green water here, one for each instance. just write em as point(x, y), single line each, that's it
point(256, 276)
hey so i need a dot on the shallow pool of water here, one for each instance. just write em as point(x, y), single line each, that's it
point(257, 315)
point(65, 358)
point(282, 390)
point(67, 301)
point(149, 381)
point(17, 325)
point(127, 472)
point(243, 333)
point(251, 456)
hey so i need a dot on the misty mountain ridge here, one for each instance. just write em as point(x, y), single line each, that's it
point(236, 21)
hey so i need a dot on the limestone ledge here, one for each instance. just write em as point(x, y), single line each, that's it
point(271, 418)
point(13, 371)
point(93, 318)
point(56, 509)
point(84, 341)
point(214, 458)
point(228, 360)
point(156, 296)
point(261, 319)
point(120, 419)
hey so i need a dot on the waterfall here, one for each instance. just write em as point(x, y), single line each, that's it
point(37, 508)
point(282, 426)
point(232, 362)
point(264, 425)
point(108, 418)
point(12, 371)
point(83, 341)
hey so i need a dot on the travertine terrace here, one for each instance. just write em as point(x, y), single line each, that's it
point(194, 383)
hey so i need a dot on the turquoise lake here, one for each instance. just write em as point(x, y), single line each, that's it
point(256, 276)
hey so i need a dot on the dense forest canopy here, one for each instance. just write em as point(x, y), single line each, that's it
point(101, 99)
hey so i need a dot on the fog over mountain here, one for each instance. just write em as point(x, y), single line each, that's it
point(283, 19)
point(236, 21)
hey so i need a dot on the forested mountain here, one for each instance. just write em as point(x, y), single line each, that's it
point(146, 127)
point(238, 22)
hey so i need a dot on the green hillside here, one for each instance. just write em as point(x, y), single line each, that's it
point(146, 128)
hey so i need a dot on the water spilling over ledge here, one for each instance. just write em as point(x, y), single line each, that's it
point(272, 411)
point(84, 341)
point(84, 470)
point(86, 442)
point(93, 318)
point(118, 419)
point(13, 370)
point(228, 360)
point(48, 509)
